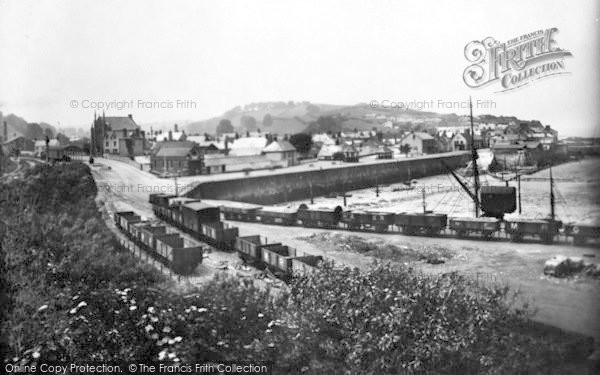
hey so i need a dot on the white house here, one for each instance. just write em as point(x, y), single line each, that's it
point(281, 151)
point(248, 146)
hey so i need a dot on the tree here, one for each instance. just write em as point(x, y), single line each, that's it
point(34, 131)
point(48, 133)
point(267, 120)
point(302, 142)
point(224, 127)
point(248, 122)
point(62, 139)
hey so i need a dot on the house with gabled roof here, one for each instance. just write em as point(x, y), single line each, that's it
point(281, 151)
point(419, 142)
point(181, 158)
point(118, 135)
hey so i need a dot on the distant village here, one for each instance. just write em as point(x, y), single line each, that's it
point(173, 152)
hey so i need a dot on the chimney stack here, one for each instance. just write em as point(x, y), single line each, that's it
point(170, 135)
point(175, 127)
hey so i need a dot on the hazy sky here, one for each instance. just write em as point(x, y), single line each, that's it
point(220, 54)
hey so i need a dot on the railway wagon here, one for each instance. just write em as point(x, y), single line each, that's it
point(277, 215)
point(125, 219)
point(148, 234)
point(175, 209)
point(306, 264)
point(427, 223)
point(219, 234)
point(160, 204)
point(545, 230)
point(320, 218)
point(240, 212)
point(484, 226)
point(581, 233)
point(378, 221)
point(195, 213)
point(135, 230)
point(249, 247)
point(183, 260)
point(278, 257)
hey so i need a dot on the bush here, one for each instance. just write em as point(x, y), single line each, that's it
point(72, 295)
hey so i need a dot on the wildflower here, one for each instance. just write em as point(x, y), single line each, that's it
point(178, 339)
point(82, 304)
point(162, 355)
point(202, 309)
point(43, 307)
point(171, 355)
point(73, 310)
point(153, 319)
point(148, 328)
point(271, 345)
point(220, 343)
point(166, 329)
point(151, 310)
point(36, 354)
point(131, 308)
point(154, 336)
point(260, 315)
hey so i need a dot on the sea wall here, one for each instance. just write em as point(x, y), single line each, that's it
point(282, 187)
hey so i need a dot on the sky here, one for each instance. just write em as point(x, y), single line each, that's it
point(60, 59)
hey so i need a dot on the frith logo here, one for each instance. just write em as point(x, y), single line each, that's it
point(515, 63)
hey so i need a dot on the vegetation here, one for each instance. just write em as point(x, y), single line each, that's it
point(302, 142)
point(73, 294)
point(224, 127)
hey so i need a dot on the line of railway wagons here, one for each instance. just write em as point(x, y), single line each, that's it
point(169, 248)
point(203, 222)
point(429, 224)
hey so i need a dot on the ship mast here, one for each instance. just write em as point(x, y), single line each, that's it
point(474, 161)
point(552, 214)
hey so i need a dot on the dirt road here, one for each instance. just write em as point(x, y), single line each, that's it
point(573, 305)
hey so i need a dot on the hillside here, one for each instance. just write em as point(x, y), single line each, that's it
point(294, 117)
point(17, 126)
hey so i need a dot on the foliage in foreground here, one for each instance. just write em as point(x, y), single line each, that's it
point(74, 296)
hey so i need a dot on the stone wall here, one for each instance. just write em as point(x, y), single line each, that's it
point(277, 188)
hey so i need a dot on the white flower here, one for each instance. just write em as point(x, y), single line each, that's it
point(131, 308)
point(167, 329)
point(178, 339)
point(202, 309)
point(36, 354)
point(171, 355)
point(151, 310)
point(43, 307)
point(149, 328)
point(73, 310)
point(153, 319)
point(162, 354)
point(260, 315)
point(82, 304)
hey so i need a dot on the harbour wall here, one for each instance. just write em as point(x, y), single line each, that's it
point(282, 187)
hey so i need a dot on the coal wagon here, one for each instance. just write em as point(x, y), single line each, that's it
point(377, 221)
point(427, 223)
point(545, 230)
point(194, 214)
point(482, 226)
point(320, 217)
point(581, 233)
